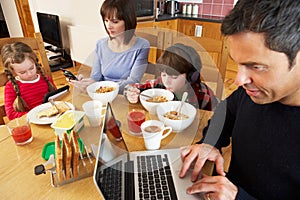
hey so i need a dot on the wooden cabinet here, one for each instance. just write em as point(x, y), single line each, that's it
point(167, 24)
point(209, 29)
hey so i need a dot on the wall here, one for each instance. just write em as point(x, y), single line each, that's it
point(82, 16)
point(11, 18)
point(78, 20)
point(212, 7)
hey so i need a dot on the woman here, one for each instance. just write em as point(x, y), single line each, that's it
point(122, 57)
point(179, 68)
point(27, 83)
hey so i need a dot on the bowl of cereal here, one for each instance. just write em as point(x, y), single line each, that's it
point(167, 113)
point(104, 91)
point(151, 98)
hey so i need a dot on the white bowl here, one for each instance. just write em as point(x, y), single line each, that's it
point(177, 125)
point(151, 106)
point(103, 97)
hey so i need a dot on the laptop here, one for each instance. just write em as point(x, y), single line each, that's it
point(120, 174)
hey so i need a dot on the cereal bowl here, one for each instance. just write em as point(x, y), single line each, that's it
point(147, 95)
point(104, 91)
point(178, 124)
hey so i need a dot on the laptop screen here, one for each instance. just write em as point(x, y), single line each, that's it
point(112, 144)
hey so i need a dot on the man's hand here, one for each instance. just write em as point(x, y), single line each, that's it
point(196, 155)
point(214, 187)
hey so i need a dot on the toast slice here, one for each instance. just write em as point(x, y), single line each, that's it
point(67, 156)
point(49, 112)
point(58, 160)
point(75, 153)
point(62, 106)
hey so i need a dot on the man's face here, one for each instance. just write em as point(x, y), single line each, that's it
point(264, 74)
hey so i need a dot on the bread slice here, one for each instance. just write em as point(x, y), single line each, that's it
point(67, 156)
point(49, 112)
point(58, 160)
point(62, 106)
point(75, 153)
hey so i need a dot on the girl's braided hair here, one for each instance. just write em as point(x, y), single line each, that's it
point(16, 53)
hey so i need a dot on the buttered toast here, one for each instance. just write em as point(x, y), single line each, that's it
point(59, 108)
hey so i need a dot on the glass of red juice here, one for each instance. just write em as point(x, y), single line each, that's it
point(135, 118)
point(20, 130)
point(113, 127)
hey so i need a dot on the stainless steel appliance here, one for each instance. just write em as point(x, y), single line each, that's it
point(145, 9)
point(173, 7)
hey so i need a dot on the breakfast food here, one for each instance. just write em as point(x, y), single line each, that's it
point(59, 108)
point(174, 115)
point(58, 160)
point(67, 156)
point(104, 89)
point(48, 112)
point(75, 153)
point(157, 99)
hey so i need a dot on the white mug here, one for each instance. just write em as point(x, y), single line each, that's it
point(152, 131)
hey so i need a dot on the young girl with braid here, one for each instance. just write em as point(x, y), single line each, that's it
point(27, 83)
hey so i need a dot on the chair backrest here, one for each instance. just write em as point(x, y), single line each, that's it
point(156, 40)
point(214, 55)
point(37, 44)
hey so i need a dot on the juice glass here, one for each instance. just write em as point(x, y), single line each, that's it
point(135, 118)
point(20, 130)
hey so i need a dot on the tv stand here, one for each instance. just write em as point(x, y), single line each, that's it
point(58, 58)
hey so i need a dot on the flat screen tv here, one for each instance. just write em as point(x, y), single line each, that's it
point(50, 29)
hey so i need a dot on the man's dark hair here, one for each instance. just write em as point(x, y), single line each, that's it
point(278, 20)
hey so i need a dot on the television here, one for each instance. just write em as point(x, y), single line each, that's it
point(50, 29)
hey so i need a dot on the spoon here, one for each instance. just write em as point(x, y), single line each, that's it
point(184, 96)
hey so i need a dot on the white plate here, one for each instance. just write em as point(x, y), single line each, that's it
point(32, 114)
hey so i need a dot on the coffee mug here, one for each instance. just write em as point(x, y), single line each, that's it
point(153, 132)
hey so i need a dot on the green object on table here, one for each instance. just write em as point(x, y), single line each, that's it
point(49, 148)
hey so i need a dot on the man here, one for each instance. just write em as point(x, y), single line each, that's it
point(262, 117)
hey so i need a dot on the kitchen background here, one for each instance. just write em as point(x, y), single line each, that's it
point(81, 24)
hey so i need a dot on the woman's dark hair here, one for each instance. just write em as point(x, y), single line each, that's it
point(278, 20)
point(181, 59)
point(122, 10)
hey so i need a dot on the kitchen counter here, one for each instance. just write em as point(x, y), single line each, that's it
point(207, 18)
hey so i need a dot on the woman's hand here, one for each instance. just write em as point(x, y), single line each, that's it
point(196, 155)
point(82, 83)
point(214, 187)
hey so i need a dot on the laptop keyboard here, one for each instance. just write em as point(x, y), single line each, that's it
point(155, 178)
point(110, 181)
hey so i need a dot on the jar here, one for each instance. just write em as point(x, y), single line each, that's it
point(195, 9)
point(184, 9)
point(189, 9)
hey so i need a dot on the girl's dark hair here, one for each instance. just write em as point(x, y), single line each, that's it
point(122, 10)
point(181, 59)
point(16, 53)
point(278, 20)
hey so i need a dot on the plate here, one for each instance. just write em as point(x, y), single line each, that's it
point(32, 114)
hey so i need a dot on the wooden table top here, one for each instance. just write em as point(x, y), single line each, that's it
point(17, 178)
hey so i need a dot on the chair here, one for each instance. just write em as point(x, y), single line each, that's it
point(37, 44)
point(156, 40)
point(214, 55)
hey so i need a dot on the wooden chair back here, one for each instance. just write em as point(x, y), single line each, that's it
point(156, 40)
point(37, 45)
point(214, 55)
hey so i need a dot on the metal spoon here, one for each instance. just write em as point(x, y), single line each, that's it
point(184, 96)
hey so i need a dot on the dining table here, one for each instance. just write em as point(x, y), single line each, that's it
point(17, 177)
